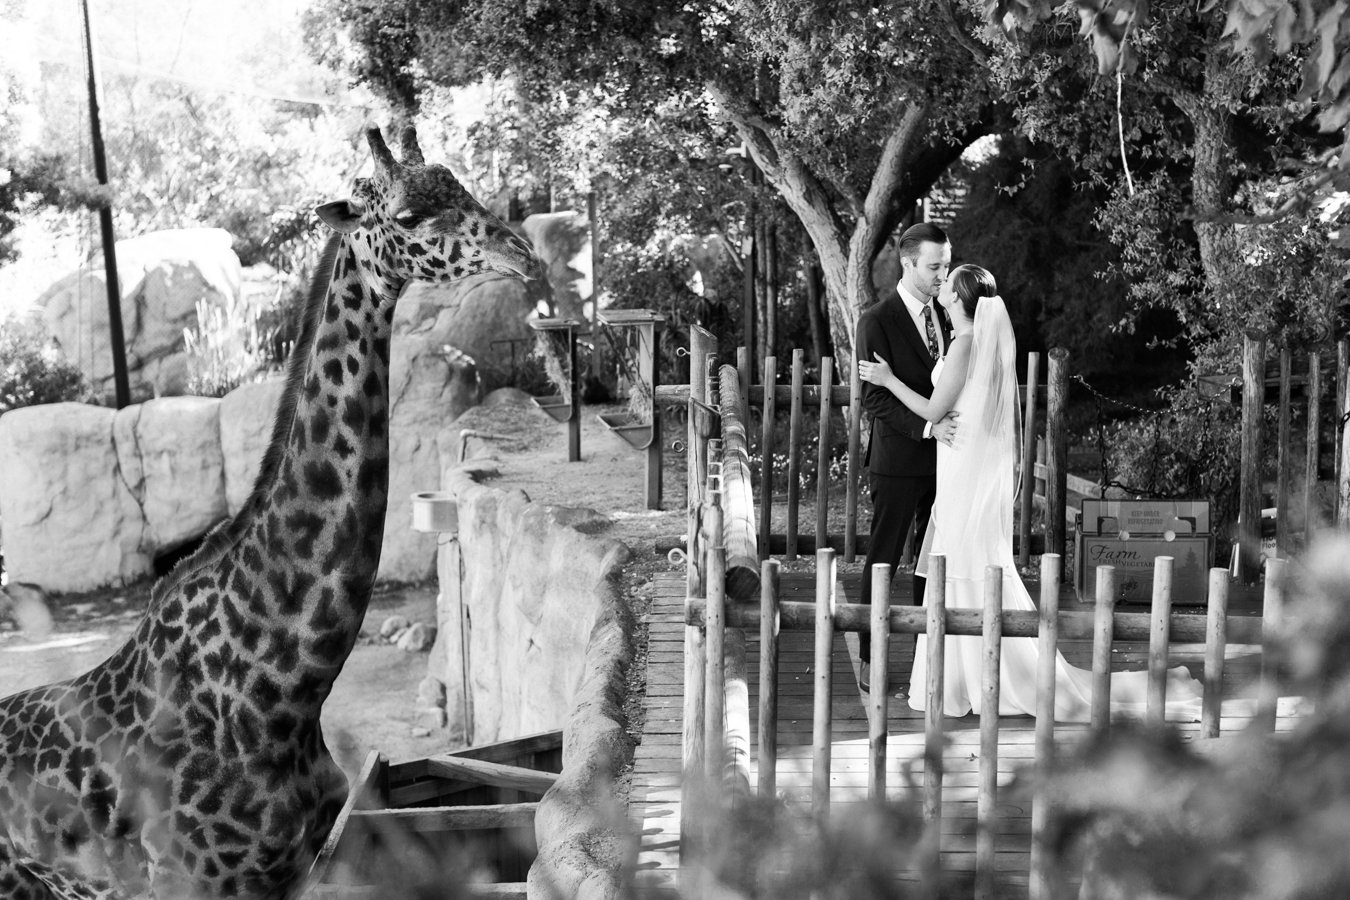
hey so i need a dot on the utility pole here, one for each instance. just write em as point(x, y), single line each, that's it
point(121, 381)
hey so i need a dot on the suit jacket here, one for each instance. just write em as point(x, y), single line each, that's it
point(897, 445)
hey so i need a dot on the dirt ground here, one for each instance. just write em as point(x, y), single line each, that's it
point(373, 705)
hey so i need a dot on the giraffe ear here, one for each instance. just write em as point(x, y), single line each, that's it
point(343, 216)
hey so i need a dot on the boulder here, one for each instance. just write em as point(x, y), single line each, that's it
point(562, 241)
point(170, 458)
point(428, 386)
point(393, 625)
point(479, 317)
point(418, 638)
point(164, 274)
point(71, 523)
point(247, 414)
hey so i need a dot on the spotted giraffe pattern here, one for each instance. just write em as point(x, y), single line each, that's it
point(191, 764)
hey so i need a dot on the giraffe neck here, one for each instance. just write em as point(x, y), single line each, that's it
point(304, 568)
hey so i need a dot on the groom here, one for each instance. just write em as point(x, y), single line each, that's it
point(910, 332)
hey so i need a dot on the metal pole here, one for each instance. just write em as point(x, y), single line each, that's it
point(121, 381)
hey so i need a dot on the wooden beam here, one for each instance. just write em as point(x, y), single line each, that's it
point(491, 773)
point(1186, 628)
point(443, 818)
point(514, 749)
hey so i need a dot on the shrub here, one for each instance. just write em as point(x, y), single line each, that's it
point(32, 370)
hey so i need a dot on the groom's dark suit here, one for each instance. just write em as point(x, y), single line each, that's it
point(901, 462)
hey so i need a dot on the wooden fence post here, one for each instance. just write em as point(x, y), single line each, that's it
point(854, 464)
point(1342, 376)
point(714, 720)
point(1272, 618)
point(876, 699)
point(1283, 527)
point(1155, 711)
point(986, 812)
point(1310, 518)
point(1042, 882)
point(1028, 462)
point(930, 848)
point(1057, 452)
point(1216, 640)
point(768, 412)
point(824, 683)
point(1249, 491)
point(823, 453)
point(794, 453)
point(1103, 632)
point(768, 678)
point(650, 366)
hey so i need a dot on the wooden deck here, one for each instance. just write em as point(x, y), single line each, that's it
point(655, 799)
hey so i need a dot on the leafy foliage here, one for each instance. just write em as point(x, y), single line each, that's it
point(32, 370)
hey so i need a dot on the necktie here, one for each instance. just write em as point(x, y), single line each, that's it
point(930, 330)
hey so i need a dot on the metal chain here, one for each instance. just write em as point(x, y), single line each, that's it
point(1108, 482)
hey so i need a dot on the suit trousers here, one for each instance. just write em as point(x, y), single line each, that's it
point(896, 502)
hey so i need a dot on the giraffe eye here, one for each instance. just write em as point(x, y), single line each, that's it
point(409, 219)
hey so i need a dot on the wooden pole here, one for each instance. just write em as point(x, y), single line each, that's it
point(768, 677)
point(116, 339)
point(650, 364)
point(930, 849)
point(749, 258)
point(766, 449)
point(738, 499)
point(876, 699)
point(593, 217)
point(573, 395)
point(1103, 634)
point(1156, 708)
point(1057, 452)
point(1342, 376)
point(714, 720)
point(1042, 881)
point(1283, 527)
point(824, 684)
point(986, 800)
point(1028, 462)
point(1310, 518)
point(1216, 643)
point(854, 464)
point(823, 454)
point(1343, 484)
point(1249, 491)
point(736, 708)
point(1272, 618)
point(701, 344)
point(794, 453)
point(770, 289)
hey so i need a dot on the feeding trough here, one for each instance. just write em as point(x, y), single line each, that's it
point(642, 367)
point(562, 406)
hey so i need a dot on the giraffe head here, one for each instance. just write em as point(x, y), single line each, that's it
point(411, 219)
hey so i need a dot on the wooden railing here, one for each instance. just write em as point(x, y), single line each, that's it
point(717, 722)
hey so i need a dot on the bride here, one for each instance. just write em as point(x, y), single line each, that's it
point(972, 516)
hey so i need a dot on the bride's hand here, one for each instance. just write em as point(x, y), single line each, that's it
point(878, 373)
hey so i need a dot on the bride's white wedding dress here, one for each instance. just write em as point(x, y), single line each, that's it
point(971, 525)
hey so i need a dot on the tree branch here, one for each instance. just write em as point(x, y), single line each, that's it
point(972, 47)
point(1294, 203)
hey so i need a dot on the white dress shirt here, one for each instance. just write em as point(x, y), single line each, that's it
point(915, 306)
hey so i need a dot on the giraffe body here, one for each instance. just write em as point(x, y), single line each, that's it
point(191, 764)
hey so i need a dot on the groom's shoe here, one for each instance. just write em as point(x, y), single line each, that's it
point(864, 676)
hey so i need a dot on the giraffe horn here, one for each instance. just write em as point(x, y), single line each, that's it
point(384, 159)
point(412, 153)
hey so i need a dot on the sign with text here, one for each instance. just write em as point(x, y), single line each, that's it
point(1134, 561)
point(1144, 517)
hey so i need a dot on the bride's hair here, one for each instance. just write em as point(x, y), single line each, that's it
point(970, 283)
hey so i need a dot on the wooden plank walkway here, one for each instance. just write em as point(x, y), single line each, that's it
point(655, 796)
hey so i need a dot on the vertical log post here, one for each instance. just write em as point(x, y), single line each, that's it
point(986, 799)
point(930, 848)
point(1342, 376)
point(876, 700)
point(1028, 481)
point(1160, 625)
point(1283, 527)
point(649, 369)
point(824, 683)
point(794, 453)
point(1057, 452)
point(768, 677)
point(714, 720)
point(1103, 633)
point(1310, 519)
point(1249, 491)
point(1042, 880)
point(854, 463)
point(1216, 643)
point(574, 396)
point(1343, 467)
point(768, 413)
point(823, 454)
point(701, 344)
point(1272, 618)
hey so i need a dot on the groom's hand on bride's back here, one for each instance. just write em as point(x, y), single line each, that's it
point(944, 429)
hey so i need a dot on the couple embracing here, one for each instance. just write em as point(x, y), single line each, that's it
point(938, 364)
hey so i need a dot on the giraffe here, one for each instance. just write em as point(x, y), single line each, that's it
point(191, 764)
